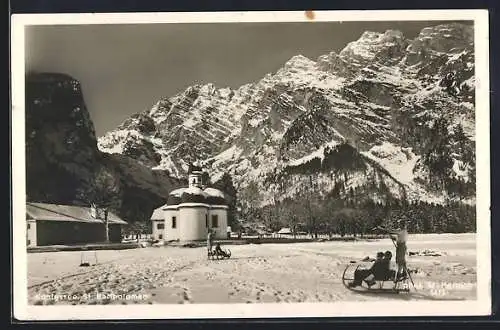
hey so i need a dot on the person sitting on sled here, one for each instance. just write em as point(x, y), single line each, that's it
point(218, 250)
point(379, 267)
point(382, 272)
point(391, 273)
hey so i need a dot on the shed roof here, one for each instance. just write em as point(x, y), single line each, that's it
point(55, 212)
point(284, 230)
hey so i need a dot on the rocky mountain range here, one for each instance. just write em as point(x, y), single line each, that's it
point(385, 118)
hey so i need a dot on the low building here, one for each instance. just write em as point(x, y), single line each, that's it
point(52, 224)
point(285, 231)
point(158, 223)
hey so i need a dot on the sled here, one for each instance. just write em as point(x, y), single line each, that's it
point(85, 262)
point(382, 285)
point(225, 254)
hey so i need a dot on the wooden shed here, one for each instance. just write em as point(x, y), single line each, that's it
point(53, 224)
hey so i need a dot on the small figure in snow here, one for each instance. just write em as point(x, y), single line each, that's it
point(210, 240)
point(400, 237)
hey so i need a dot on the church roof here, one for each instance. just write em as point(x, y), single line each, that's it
point(177, 192)
point(158, 214)
point(215, 196)
point(193, 195)
point(214, 192)
point(197, 195)
point(194, 191)
point(174, 198)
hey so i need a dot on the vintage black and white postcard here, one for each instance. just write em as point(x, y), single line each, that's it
point(251, 164)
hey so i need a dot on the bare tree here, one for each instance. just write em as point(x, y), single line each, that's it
point(105, 188)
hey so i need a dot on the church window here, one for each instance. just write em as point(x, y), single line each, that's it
point(206, 220)
point(160, 226)
point(174, 222)
point(215, 221)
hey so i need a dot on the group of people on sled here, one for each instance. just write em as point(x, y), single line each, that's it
point(218, 249)
point(381, 268)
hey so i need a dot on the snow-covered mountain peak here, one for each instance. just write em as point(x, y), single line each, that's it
point(300, 72)
point(372, 46)
point(394, 35)
point(299, 62)
point(439, 41)
point(458, 35)
point(208, 89)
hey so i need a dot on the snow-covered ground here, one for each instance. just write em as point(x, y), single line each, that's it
point(298, 272)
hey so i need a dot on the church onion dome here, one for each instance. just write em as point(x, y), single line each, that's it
point(215, 196)
point(174, 198)
point(193, 195)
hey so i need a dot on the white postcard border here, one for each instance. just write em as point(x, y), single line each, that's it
point(481, 306)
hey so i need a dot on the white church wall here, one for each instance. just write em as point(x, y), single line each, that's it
point(218, 214)
point(192, 225)
point(171, 224)
point(158, 229)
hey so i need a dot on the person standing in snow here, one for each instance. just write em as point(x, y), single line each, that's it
point(400, 237)
point(210, 240)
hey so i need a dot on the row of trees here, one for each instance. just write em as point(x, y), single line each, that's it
point(341, 217)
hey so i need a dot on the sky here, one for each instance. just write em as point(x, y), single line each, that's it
point(125, 69)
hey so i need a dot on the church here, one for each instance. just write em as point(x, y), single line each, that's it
point(191, 211)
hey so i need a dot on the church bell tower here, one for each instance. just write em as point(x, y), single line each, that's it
point(195, 176)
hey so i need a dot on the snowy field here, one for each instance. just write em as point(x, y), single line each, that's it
point(298, 272)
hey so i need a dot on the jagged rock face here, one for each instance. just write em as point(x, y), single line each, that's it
point(384, 101)
point(63, 163)
point(333, 63)
point(433, 41)
point(61, 147)
point(385, 48)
